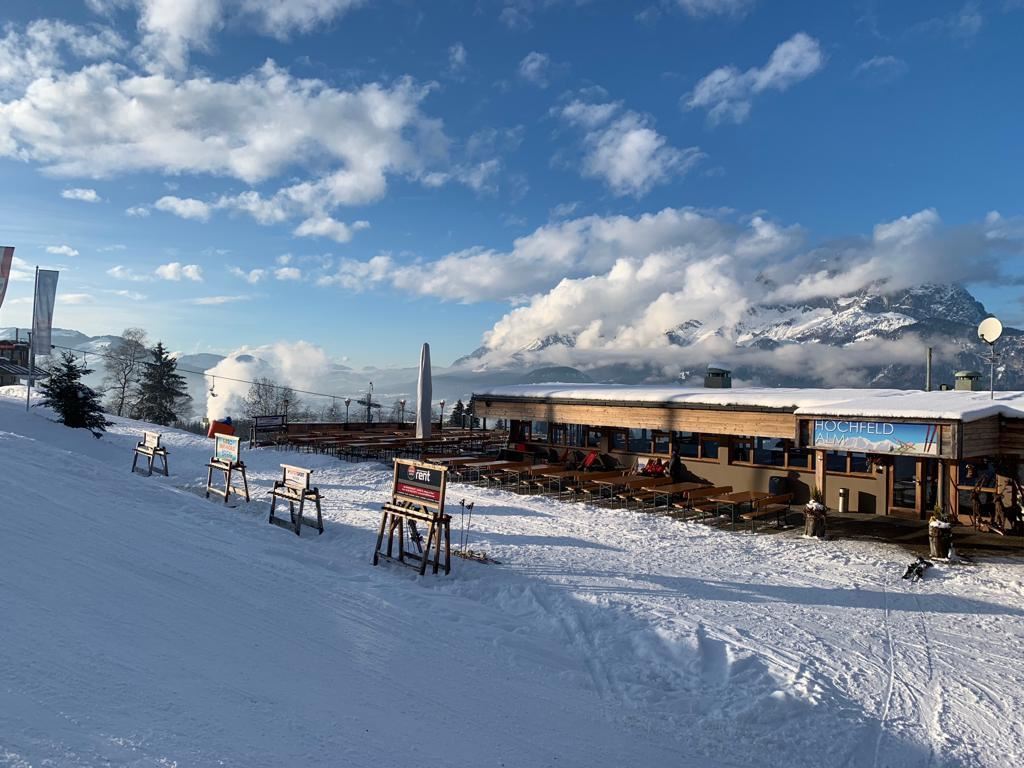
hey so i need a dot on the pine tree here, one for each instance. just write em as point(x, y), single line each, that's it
point(458, 410)
point(77, 405)
point(163, 396)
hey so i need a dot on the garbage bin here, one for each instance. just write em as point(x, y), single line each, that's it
point(844, 500)
point(940, 539)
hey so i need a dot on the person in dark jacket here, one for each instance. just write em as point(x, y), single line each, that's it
point(675, 468)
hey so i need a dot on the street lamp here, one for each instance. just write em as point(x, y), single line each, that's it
point(440, 426)
point(401, 404)
point(348, 402)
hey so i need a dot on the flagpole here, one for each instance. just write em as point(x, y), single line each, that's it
point(31, 346)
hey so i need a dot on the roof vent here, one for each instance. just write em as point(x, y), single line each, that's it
point(967, 381)
point(718, 378)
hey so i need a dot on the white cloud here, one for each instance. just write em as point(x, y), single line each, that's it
point(171, 29)
point(133, 295)
point(186, 208)
point(177, 271)
point(325, 226)
point(288, 273)
point(716, 7)
point(727, 93)
point(880, 69)
point(61, 250)
point(85, 195)
point(458, 58)
point(623, 150)
point(126, 273)
point(76, 298)
point(534, 68)
point(39, 50)
point(284, 259)
point(218, 300)
point(683, 266)
point(137, 211)
point(272, 211)
point(252, 277)
point(963, 25)
point(356, 275)
point(102, 121)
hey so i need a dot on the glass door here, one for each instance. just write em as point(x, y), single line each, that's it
point(903, 486)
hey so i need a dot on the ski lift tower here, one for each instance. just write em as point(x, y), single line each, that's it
point(989, 331)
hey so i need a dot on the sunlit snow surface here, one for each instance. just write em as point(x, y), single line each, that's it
point(145, 626)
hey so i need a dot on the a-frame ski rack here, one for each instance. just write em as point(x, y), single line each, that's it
point(225, 460)
point(293, 487)
point(417, 497)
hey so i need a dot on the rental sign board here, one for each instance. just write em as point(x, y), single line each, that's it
point(419, 483)
point(226, 449)
point(876, 437)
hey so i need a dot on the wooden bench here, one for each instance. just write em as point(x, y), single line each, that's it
point(777, 506)
point(149, 448)
point(293, 487)
point(697, 501)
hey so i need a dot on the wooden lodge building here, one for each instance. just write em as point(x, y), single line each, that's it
point(887, 452)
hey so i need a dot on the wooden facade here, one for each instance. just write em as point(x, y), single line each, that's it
point(764, 422)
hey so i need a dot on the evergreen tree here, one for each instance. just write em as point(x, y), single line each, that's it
point(163, 396)
point(458, 410)
point(77, 405)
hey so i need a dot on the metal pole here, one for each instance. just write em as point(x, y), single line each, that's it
point(31, 345)
point(991, 371)
point(928, 372)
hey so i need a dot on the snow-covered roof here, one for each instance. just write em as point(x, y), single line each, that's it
point(862, 403)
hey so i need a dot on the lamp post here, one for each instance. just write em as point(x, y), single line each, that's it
point(348, 402)
point(401, 404)
point(286, 409)
point(440, 426)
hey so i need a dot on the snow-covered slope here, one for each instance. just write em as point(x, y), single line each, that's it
point(144, 625)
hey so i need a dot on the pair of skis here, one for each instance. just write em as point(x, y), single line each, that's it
point(915, 571)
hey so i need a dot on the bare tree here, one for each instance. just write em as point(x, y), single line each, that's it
point(268, 398)
point(124, 363)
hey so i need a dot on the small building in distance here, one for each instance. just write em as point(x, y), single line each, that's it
point(897, 452)
point(13, 361)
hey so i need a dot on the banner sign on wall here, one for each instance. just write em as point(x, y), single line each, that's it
point(6, 257)
point(876, 437)
point(42, 310)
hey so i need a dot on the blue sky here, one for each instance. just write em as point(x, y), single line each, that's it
point(442, 171)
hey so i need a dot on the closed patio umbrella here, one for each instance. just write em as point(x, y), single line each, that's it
point(424, 392)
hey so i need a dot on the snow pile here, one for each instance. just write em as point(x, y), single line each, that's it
point(145, 625)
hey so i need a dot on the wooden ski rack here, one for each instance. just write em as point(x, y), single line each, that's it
point(417, 497)
point(293, 487)
point(150, 449)
point(226, 460)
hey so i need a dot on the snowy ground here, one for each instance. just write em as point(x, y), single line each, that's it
point(141, 624)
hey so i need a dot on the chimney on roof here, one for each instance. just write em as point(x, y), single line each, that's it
point(718, 378)
point(967, 381)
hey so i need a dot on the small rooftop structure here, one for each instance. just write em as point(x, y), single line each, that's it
point(968, 381)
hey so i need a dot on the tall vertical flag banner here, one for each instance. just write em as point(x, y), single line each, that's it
point(42, 310)
point(6, 257)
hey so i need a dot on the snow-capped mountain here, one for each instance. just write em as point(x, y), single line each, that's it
point(942, 316)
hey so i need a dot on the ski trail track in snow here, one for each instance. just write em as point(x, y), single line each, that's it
point(173, 629)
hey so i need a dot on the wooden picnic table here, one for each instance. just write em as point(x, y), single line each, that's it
point(482, 466)
point(737, 499)
point(627, 481)
point(667, 491)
